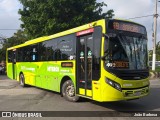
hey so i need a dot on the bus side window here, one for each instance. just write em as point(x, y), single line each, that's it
point(9, 56)
point(26, 51)
point(97, 38)
point(34, 53)
point(49, 53)
point(50, 49)
point(42, 52)
point(20, 55)
point(65, 47)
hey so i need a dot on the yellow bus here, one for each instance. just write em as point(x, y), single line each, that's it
point(105, 60)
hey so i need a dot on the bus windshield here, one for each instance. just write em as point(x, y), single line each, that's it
point(126, 52)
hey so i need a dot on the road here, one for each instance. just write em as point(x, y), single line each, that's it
point(15, 98)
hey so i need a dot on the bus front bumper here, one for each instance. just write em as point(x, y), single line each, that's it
point(125, 94)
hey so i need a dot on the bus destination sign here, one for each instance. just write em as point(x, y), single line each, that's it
point(84, 32)
point(126, 26)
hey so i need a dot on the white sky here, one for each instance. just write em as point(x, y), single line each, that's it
point(9, 18)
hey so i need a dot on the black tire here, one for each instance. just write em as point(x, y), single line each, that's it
point(68, 91)
point(22, 80)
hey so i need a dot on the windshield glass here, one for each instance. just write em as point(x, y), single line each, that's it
point(126, 52)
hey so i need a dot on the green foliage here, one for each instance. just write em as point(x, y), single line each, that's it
point(18, 38)
point(157, 69)
point(157, 53)
point(150, 53)
point(46, 17)
point(2, 51)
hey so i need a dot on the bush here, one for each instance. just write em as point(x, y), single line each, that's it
point(156, 70)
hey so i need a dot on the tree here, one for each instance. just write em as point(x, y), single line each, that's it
point(2, 52)
point(18, 38)
point(46, 17)
point(150, 53)
point(157, 52)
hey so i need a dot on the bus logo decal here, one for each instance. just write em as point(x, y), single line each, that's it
point(29, 69)
point(66, 64)
point(52, 69)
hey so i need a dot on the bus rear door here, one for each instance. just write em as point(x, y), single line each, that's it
point(14, 64)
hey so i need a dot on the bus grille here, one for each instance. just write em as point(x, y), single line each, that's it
point(129, 93)
point(130, 74)
point(133, 75)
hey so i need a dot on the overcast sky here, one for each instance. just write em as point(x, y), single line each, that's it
point(9, 18)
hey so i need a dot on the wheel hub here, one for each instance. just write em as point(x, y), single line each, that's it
point(70, 90)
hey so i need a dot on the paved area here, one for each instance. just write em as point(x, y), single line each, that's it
point(15, 98)
point(4, 77)
point(155, 82)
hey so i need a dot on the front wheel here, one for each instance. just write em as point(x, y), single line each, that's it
point(68, 91)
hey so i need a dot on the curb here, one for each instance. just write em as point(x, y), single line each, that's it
point(154, 75)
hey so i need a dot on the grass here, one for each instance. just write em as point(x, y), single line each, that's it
point(156, 70)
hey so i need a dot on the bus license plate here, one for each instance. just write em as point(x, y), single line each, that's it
point(137, 93)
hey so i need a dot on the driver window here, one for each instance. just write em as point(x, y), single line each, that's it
point(117, 51)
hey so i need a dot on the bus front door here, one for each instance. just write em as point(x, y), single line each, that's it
point(84, 65)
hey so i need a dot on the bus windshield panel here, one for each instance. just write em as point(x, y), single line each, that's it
point(126, 48)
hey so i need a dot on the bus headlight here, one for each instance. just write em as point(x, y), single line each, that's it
point(113, 84)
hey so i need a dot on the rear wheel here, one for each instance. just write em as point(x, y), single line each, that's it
point(68, 91)
point(22, 80)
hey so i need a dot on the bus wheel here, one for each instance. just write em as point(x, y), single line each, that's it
point(68, 91)
point(22, 80)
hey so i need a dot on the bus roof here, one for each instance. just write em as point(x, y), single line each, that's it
point(70, 31)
